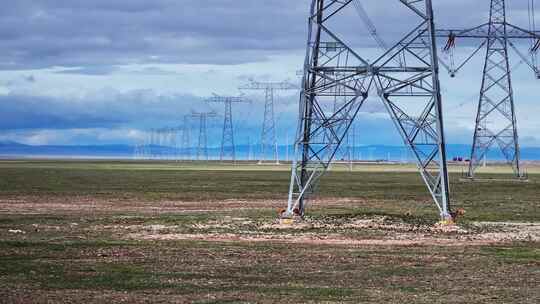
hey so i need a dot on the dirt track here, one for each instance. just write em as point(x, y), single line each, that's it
point(378, 233)
point(78, 204)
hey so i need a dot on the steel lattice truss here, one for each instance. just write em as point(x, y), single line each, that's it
point(496, 97)
point(228, 148)
point(343, 151)
point(496, 118)
point(202, 147)
point(410, 93)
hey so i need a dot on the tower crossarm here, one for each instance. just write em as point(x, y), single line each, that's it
point(196, 114)
point(225, 99)
point(482, 32)
point(256, 85)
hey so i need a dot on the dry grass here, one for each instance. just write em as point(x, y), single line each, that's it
point(92, 235)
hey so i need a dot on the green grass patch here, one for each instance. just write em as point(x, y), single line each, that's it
point(385, 192)
point(517, 254)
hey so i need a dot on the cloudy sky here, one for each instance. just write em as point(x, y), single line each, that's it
point(103, 71)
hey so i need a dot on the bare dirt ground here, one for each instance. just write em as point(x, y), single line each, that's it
point(381, 231)
point(89, 204)
point(83, 204)
point(355, 231)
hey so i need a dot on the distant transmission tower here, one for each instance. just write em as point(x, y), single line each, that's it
point(202, 149)
point(165, 142)
point(170, 138)
point(496, 122)
point(411, 94)
point(228, 149)
point(138, 150)
point(155, 144)
point(268, 136)
point(186, 138)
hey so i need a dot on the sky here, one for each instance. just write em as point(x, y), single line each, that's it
point(75, 72)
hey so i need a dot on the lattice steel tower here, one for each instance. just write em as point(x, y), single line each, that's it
point(228, 149)
point(268, 136)
point(496, 98)
point(410, 93)
point(202, 147)
point(496, 122)
point(186, 137)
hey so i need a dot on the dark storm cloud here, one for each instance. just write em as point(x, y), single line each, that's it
point(106, 109)
point(46, 33)
point(37, 34)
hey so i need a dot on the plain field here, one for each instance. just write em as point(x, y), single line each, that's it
point(136, 232)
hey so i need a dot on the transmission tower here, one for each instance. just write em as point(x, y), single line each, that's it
point(268, 136)
point(138, 151)
point(321, 130)
point(186, 137)
point(155, 139)
point(496, 123)
point(202, 148)
point(228, 149)
point(161, 142)
point(164, 140)
point(170, 139)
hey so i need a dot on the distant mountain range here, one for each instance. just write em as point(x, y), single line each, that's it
point(14, 149)
point(10, 149)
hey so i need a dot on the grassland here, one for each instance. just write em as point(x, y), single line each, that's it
point(137, 232)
